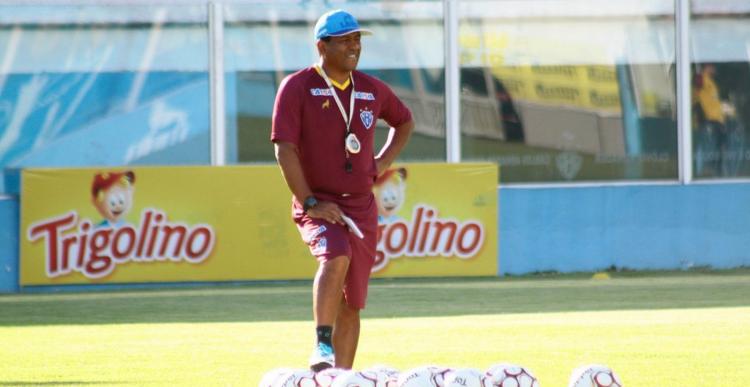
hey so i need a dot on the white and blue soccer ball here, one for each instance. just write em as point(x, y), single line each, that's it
point(464, 377)
point(594, 375)
point(509, 375)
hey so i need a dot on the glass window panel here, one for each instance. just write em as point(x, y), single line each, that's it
point(103, 85)
point(720, 49)
point(264, 42)
point(574, 90)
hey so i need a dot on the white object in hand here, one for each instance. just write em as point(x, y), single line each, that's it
point(352, 226)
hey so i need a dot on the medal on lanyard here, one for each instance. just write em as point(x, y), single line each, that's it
point(351, 142)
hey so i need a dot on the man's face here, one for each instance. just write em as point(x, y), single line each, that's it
point(342, 52)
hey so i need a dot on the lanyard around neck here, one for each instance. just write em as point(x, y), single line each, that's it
point(347, 117)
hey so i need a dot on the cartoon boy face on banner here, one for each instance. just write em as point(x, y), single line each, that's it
point(112, 195)
point(390, 193)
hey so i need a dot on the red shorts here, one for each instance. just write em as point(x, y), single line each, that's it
point(328, 241)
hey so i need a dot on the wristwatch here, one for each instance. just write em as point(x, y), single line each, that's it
point(309, 203)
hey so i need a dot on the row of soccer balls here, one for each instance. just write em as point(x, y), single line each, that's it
point(499, 375)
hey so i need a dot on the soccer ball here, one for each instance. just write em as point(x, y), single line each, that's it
point(297, 378)
point(359, 379)
point(509, 375)
point(594, 375)
point(463, 377)
point(427, 376)
point(389, 374)
point(274, 376)
point(390, 371)
point(326, 377)
point(439, 374)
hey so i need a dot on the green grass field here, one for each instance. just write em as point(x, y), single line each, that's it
point(653, 329)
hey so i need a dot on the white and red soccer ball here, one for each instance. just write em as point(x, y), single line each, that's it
point(499, 375)
point(426, 376)
point(274, 376)
point(464, 377)
point(389, 374)
point(288, 377)
point(509, 375)
point(594, 375)
point(326, 377)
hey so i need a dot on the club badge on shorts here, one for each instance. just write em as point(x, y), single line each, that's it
point(366, 117)
point(352, 143)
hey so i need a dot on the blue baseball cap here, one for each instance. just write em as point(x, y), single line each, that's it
point(337, 23)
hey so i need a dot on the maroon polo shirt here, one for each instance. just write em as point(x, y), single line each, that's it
point(305, 113)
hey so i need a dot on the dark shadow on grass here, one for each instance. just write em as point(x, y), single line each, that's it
point(387, 299)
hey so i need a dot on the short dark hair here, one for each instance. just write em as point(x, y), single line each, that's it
point(326, 39)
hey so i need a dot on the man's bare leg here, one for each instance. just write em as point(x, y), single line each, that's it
point(346, 335)
point(327, 295)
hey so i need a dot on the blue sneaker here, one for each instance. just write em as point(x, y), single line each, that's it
point(322, 357)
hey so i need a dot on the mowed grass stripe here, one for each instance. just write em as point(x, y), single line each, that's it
point(684, 329)
point(687, 347)
point(675, 347)
point(388, 298)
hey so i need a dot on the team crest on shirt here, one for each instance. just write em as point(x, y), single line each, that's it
point(366, 117)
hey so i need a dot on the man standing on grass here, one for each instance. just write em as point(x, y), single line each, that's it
point(323, 133)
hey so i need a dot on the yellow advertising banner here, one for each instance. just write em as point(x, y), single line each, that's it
point(588, 86)
point(555, 78)
point(179, 224)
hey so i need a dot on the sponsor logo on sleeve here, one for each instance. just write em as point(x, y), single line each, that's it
point(364, 96)
point(317, 92)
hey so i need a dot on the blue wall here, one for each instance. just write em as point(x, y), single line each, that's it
point(8, 244)
point(638, 227)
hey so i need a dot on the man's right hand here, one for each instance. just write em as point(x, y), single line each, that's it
point(328, 211)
